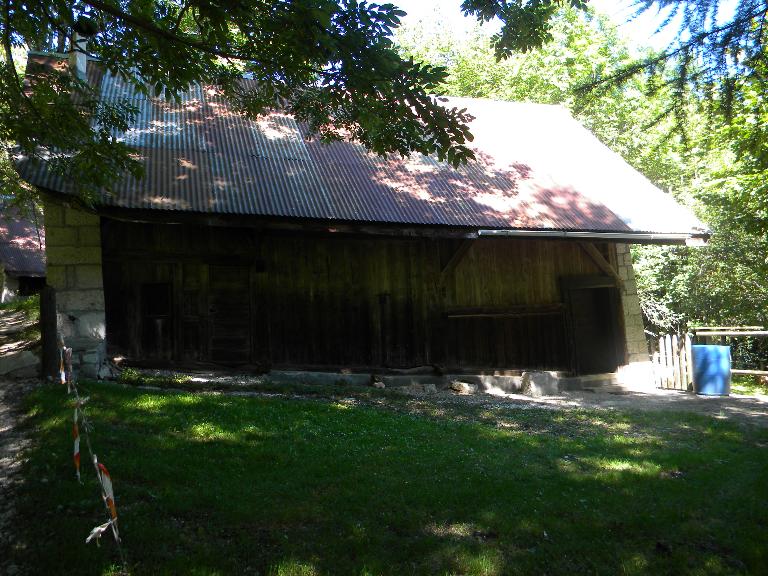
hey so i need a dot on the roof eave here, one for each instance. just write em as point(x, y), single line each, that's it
point(687, 238)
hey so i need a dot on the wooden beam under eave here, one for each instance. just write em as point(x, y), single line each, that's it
point(455, 260)
point(598, 258)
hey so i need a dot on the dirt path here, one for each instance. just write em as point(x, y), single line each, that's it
point(13, 441)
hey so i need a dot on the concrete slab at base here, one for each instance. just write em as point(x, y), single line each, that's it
point(487, 383)
point(537, 383)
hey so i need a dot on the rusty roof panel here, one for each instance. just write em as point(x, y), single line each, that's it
point(536, 168)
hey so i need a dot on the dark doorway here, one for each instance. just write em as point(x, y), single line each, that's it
point(229, 310)
point(593, 304)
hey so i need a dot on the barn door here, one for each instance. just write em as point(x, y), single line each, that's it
point(595, 330)
point(229, 314)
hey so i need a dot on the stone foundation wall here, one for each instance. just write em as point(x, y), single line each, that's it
point(73, 239)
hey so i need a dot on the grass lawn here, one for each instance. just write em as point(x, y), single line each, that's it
point(210, 484)
point(747, 385)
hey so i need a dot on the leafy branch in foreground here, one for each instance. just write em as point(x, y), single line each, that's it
point(715, 51)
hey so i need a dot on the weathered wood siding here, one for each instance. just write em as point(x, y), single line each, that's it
point(243, 296)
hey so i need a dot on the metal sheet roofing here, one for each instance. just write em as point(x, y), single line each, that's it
point(22, 244)
point(537, 168)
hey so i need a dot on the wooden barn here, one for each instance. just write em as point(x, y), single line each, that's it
point(248, 244)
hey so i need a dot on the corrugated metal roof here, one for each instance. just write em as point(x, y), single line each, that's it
point(537, 168)
point(22, 244)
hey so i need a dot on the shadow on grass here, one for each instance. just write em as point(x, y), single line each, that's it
point(238, 485)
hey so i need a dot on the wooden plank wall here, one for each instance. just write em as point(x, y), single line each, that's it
point(339, 300)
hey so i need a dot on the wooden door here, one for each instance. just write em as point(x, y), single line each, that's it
point(595, 329)
point(229, 309)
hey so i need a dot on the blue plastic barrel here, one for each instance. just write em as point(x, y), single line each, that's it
point(712, 370)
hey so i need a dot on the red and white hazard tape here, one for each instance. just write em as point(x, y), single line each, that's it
point(76, 452)
point(80, 422)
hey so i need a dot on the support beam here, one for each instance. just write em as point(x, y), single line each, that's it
point(601, 262)
point(455, 260)
point(731, 333)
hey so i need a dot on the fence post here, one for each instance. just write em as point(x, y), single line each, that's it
point(676, 363)
point(683, 363)
point(689, 354)
point(48, 332)
point(670, 378)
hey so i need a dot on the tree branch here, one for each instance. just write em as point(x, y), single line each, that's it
point(7, 35)
point(180, 16)
point(162, 32)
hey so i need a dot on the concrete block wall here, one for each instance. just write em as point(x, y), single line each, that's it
point(637, 349)
point(638, 372)
point(73, 240)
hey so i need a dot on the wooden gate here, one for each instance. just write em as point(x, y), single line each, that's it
point(673, 363)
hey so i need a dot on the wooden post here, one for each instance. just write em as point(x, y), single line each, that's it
point(683, 363)
point(657, 381)
point(48, 332)
point(668, 355)
point(662, 364)
point(676, 363)
point(689, 356)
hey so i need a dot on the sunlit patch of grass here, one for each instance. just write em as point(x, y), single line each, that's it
point(453, 530)
point(135, 377)
point(209, 431)
point(748, 385)
point(294, 567)
point(638, 467)
point(635, 564)
point(29, 305)
point(27, 310)
point(485, 562)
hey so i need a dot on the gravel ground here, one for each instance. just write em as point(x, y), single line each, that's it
point(751, 409)
point(13, 441)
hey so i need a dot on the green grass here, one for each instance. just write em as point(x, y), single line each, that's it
point(749, 385)
point(30, 307)
point(211, 484)
point(134, 377)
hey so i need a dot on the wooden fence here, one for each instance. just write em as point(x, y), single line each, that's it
point(672, 362)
